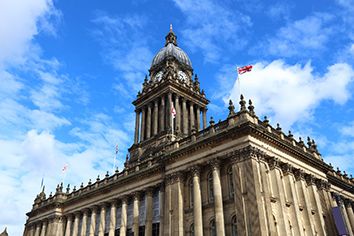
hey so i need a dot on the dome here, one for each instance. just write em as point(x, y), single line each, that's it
point(171, 50)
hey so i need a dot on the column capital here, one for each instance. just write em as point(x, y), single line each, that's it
point(113, 202)
point(94, 209)
point(195, 170)
point(85, 211)
point(149, 191)
point(299, 174)
point(124, 199)
point(321, 184)
point(136, 195)
point(214, 164)
point(287, 168)
point(310, 179)
point(156, 103)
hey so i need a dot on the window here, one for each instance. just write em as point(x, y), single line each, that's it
point(234, 226)
point(155, 229)
point(210, 187)
point(212, 228)
point(230, 179)
point(191, 197)
point(191, 230)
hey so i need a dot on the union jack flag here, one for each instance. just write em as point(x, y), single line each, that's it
point(244, 69)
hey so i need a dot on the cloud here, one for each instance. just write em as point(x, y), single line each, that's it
point(124, 46)
point(300, 38)
point(16, 33)
point(210, 25)
point(291, 93)
point(348, 130)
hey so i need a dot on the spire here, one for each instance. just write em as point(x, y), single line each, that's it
point(171, 37)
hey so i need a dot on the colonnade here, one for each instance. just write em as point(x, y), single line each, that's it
point(92, 220)
point(155, 117)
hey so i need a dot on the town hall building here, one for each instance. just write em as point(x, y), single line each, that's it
point(185, 175)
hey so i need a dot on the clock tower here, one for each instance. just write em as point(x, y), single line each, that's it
point(171, 105)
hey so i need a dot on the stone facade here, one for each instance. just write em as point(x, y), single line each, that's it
point(182, 176)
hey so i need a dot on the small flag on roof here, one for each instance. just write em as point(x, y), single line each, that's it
point(173, 112)
point(244, 69)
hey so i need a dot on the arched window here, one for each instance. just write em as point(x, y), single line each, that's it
point(234, 226)
point(210, 187)
point(212, 228)
point(230, 179)
point(191, 196)
point(191, 230)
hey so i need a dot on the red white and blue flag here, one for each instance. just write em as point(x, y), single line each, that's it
point(244, 69)
point(116, 148)
point(173, 112)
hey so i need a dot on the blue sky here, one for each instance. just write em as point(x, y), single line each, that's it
point(69, 71)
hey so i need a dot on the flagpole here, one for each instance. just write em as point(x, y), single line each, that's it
point(115, 158)
point(238, 82)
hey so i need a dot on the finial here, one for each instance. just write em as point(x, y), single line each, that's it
point(107, 175)
point(211, 122)
point(242, 103)
point(278, 127)
point(127, 157)
point(171, 37)
point(90, 182)
point(171, 30)
point(266, 121)
point(68, 188)
point(251, 107)
point(98, 178)
point(309, 143)
point(290, 135)
point(314, 145)
point(231, 108)
point(301, 142)
point(82, 185)
point(74, 189)
point(50, 194)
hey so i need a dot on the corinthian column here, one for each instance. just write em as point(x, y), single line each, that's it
point(178, 115)
point(197, 206)
point(148, 209)
point(112, 222)
point(204, 118)
point(76, 224)
point(162, 114)
point(102, 221)
point(137, 124)
point(142, 127)
point(123, 221)
point(218, 205)
point(136, 214)
point(156, 112)
point(93, 221)
point(168, 115)
point(84, 222)
point(68, 225)
point(38, 229)
point(44, 228)
point(191, 113)
point(198, 118)
point(148, 122)
point(348, 206)
point(185, 116)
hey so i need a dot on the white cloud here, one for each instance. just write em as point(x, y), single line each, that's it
point(291, 93)
point(301, 37)
point(125, 48)
point(20, 21)
point(348, 130)
point(209, 24)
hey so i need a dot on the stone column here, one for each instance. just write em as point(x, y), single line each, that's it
point(123, 221)
point(191, 118)
point(162, 114)
point(68, 225)
point(156, 117)
point(168, 115)
point(60, 226)
point(93, 221)
point(162, 209)
point(316, 205)
point(198, 118)
point(178, 115)
point(142, 127)
point(218, 205)
point(149, 213)
point(350, 213)
point(76, 223)
point(101, 226)
point(180, 208)
point(44, 228)
point(345, 215)
point(136, 214)
point(50, 225)
point(112, 222)
point(137, 125)
point(148, 122)
point(197, 205)
point(292, 200)
point(304, 201)
point(84, 222)
point(185, 116)
point(38, 229)
point(204, 118)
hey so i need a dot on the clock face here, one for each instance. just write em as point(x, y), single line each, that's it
point(158, 76)
point(182, 76)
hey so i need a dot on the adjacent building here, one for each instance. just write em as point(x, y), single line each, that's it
point(187, 176)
